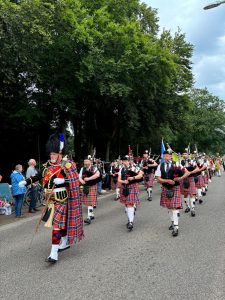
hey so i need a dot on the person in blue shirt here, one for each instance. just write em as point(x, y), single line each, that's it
point(18, 192)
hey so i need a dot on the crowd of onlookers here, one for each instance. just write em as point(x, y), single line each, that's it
point(18, 192)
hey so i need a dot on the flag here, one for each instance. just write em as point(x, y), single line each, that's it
point(175, 157)
point(162, 150)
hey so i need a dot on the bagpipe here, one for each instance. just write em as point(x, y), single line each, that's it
point(130, 173)
point(114, 175)
point(150, 169)
point(174, 172)
point(88, 173)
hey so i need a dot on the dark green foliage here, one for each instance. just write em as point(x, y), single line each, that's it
point(101, 66)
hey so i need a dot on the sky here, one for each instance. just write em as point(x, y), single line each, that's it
point(205, 29)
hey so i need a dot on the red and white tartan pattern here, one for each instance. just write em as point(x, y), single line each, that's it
point(60, 215)
point(174, 202)
point(75, 231)
point(148, 180)
point(91, 198)
point(200, 184)
point(113, 184)
point(192, 188)
point(132, 198)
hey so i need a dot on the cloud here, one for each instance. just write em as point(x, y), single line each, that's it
point(205, 30)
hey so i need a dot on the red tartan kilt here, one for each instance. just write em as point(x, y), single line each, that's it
point(91, 198)
point(148, 180)
point(113, 184)
point(200, 184)
point(174, 202)
point(206, 179)
point(132, 198)
point(60, 215)
point(192, 188)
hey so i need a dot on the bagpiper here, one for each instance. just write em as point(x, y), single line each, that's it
point(63, 211)
point(188, 188)
point(128, 177)
point(206, 174)
point(149, 167)
point(89, 177)
point(199, 181)
point(114, 171)
point(169, 174)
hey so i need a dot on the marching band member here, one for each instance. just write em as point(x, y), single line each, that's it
point(63, 211)
point(89, 177)
point(200, 184)
point(149, 167)
point(188, 188)
point(114, 171)
point(129, 177)
point(206, 174)
point(170, 175)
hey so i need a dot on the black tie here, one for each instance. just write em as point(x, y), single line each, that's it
point(167, 168)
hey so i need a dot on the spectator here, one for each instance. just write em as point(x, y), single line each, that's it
point(18, 192)
point(32, 171)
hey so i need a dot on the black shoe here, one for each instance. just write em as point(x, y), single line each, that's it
point(50, 260)
point(196, 199)
point(193, 213)
point(61, 250)
point(175, 232)
point(171, 227)
point(187, 210)
point(200, 201)
point(87, 221)
point(130, 226)
point(117, 198)
point(36, 209)
point(94, 206)
point(206, 189)
point(150, 198)
point(92, 218)
point(203, 193)
point(32, 211)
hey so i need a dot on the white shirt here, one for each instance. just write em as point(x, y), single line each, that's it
point(133, 168)
point(158, 171)
point(81, 171)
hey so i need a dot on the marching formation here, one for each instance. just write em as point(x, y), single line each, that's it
point(183, 183)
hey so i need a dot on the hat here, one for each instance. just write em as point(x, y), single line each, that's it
point(56, 143)
point(88, 157)
point(126, 157)
point(185, 151)
point(166, 152)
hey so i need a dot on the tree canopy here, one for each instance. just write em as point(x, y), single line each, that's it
point(104, 68)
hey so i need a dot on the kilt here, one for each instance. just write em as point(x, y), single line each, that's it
point(91, 198)
point(174, 202)
point(148, 180)
point(60, 215)
point(113, 184)
point(132, 198)
point(200, 184)
point(192, 188)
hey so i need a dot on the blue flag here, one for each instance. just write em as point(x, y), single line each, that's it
point(162, 150)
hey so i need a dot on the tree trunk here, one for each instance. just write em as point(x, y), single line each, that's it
point(107, 150)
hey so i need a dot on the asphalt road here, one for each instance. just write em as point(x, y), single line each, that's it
point(112, 263)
